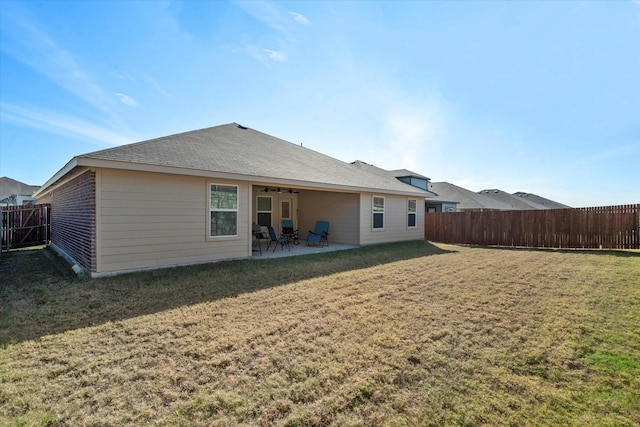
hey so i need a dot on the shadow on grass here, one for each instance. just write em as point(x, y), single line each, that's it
point(623, 253)
point(39, 295)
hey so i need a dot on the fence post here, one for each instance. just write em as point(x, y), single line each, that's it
point(636, 222)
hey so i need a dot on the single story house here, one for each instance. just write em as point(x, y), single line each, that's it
point(433, 202)
point(192, 198)
point(515, 202)
point(16, 193)
point(539, 200)
point(467, 200)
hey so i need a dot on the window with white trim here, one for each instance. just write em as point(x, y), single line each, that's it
point(378, 213)
point(223, 209)
point(264, 208)
point(412, 213)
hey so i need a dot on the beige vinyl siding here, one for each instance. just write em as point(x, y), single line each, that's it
point(395, 220)
point(340, 209)
point(150, 220)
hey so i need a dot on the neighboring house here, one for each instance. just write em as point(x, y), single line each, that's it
point(529, 197)
point(467, 199)
point(408, 177)
point(433, 202)
point(516, 203)
point(16, 193)
point(192, 198)
point(411, 178)
point(441, 204)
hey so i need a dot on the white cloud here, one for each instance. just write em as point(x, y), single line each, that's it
point(266, 12)
point(35, 48)
point(276, 56)
point(261, 54)
point(127, 100)
point(156, 85)
point(61, 124)
point(299, 18)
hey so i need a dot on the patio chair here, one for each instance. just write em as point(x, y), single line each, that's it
point(320, 236)
point(289, 232)
point(256, 230)
point(275, 240)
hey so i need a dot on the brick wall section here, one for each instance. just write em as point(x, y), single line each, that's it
point(73, 219)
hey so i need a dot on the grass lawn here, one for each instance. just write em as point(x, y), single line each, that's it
point(401, 334)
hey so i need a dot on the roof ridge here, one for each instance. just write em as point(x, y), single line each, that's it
point(146, 141)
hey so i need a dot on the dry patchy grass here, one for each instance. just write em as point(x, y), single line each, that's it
point(404, 334)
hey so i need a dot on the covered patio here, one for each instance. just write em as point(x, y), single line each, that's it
point(327, 208)
point(300, 249)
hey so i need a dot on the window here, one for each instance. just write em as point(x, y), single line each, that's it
point(285, 210)
point(415, 181)
point(224, 210)
point(412, 212)
point(378, 212)
point(263, 208)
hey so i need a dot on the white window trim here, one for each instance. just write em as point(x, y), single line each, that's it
point(259, 212)
point(209, 210)
point(373, 212)
point(414, 213)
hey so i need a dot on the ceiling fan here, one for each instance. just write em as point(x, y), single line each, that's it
point(279, 190)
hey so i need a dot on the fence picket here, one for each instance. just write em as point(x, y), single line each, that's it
point(24, 226)
point(609, 227)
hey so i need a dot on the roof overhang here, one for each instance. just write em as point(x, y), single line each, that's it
point(79, 165)
point(66, 169)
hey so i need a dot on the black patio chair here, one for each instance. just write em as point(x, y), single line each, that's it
point(275, 240)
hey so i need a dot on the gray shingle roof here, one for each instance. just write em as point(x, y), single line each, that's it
point(406, 172)
point(468, 200)
point(234, 149)
point(550, 204)
point(511, 200)
point(397, 173)
point(10, 187)
point(383, 172)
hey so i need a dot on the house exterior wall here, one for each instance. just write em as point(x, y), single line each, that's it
point(440, 206)
point(276, 200)
point(17, 200)
point(152, 220)
point(395, 220)
point(73, 219)
point(449, 207)
point(342, 210)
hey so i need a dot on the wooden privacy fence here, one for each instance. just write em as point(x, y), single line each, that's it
point(24, 226)
point(608, 227)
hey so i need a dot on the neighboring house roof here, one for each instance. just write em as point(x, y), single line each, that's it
point(468, 200)
point(540, 200)
point(10, 188)
point(398, 173)
point(405, 172)
point(511, 200)
point(238, 152)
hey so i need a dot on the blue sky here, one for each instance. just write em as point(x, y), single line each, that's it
point(536, 96)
